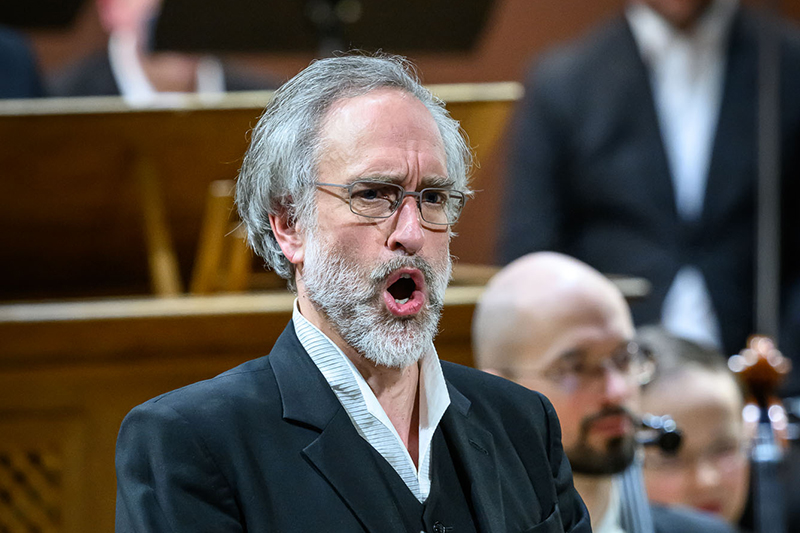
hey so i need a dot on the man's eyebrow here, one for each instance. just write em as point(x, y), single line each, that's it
point(569, 356)
point(442, 182)
point(381, 178)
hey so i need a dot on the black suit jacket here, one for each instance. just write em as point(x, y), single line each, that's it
point(267, 447)
point(589, 176)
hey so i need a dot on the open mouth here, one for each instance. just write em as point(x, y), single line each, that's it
point(613, 425)
point(404, 294)
point(402, 289)
point(611, 422)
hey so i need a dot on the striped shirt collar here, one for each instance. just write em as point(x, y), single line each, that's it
point(366, 413)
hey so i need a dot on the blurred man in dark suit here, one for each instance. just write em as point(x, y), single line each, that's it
point(635, 150)
point(131, 68)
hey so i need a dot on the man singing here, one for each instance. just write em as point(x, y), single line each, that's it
point(353, 179)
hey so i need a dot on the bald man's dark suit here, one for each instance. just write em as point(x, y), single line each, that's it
point(268, 447)
point(589, 176)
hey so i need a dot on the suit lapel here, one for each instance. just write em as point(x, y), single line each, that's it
point(733, 156)
point(339, 453)
point(473, 447)
point(627, 70)
point(349, 464)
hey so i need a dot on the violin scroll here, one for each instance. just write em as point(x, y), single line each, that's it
point(762, 368)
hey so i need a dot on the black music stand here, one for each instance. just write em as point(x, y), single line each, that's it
point(47, 14)
point(320, 26)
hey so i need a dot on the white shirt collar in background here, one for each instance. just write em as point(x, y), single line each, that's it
point(611, 519)
point(135, 87)
point(687, 73)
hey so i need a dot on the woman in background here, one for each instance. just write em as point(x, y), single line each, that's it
point(694, 386)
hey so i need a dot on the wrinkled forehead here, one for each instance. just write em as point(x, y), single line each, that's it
point(385, 111)
point(386, 135)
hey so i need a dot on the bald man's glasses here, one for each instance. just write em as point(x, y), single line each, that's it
point(377, 199)
point(576, 371)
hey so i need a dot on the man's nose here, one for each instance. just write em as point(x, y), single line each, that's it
point(706, 473)
point(408, 233)
point(616, 384)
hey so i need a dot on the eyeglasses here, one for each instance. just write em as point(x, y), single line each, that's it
point(576, 371)
point(725, 455)
point(377, 199)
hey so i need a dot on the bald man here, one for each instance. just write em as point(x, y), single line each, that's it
point(555, 325)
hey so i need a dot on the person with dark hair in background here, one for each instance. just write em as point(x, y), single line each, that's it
point(353, 178)
point(557, 326)
point(19, 74)
point(130, 68)
point(695, 387)
point(635, 150)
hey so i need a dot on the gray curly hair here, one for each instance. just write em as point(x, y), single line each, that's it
point(280, 166)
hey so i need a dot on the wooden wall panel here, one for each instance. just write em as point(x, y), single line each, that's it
point(70, 371)
point(72, 213)
point(42, 461)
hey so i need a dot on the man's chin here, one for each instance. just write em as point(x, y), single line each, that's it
point(615, 458)
point(389, 352)
point(387, 340)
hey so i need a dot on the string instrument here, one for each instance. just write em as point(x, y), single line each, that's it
point(635, 514)
point(762, 368)
point(660, 431)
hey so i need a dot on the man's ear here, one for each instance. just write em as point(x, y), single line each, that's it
point(289, 237)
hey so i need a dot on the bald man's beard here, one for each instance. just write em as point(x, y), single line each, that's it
point(617, 454)
point(350, 296)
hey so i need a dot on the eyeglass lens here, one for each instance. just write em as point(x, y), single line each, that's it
point(629, 361)
point(380, 200)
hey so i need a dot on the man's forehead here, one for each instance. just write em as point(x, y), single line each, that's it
point(384, 135)
point(584, 343)
point(370, 106)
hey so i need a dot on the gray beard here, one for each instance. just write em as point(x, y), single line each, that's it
point(351, 298)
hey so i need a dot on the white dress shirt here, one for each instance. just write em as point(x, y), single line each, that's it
point(366, 413)
point(687, 73)
point(135, 87)
point(611, 519)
